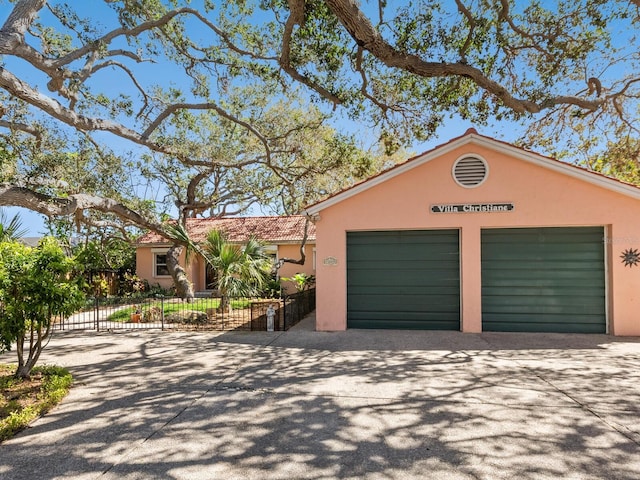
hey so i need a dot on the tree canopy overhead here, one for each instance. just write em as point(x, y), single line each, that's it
point(217, 92)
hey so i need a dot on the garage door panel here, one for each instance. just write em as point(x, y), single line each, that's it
point(549, 319)
point(439, 291)
point(412, 316)
point(400, 237)
point(550, 276)
point(408, 321)
point(543, 279)
point(386, 265)
point(526, 269)
point(546, 255)
point(410, 303)
point(403, 279)
point(537, 282)
point(394, 253)
point(518, 307)
point(540, 291)
point(374, 278)
point(557, 327)
point(562, 235)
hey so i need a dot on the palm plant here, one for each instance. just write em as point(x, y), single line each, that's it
point(242, 270)
point(11, 229)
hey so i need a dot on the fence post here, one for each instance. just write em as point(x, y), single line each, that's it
point(284, 310)
point(281, 316)
point(222, 313)
point(96, 314)
point(162, 310)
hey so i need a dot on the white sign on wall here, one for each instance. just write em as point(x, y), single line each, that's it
point(472, 207)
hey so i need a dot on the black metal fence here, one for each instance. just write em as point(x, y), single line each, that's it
point(297, 306)
point(210, 313)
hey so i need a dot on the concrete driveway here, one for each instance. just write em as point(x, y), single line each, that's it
point(355, 404)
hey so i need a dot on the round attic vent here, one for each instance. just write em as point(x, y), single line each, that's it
point(470, 171)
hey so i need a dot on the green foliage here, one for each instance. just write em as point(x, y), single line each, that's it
point(99, 286)
point(272, 289)
point(132, 285)
point(111, 254)
point(10, 229)
point(16, 412)
point(109, 263)
point(301, 281)
point(241, 270)
point(36, 285)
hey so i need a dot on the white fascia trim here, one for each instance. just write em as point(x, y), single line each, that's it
point(565, 168)
point(513, 151)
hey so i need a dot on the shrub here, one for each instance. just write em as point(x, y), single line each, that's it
point(21, 407)
point(189, 317)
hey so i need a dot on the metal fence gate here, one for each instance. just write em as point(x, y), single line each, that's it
point(172, 313)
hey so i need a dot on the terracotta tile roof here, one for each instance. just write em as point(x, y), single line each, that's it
point(281, 229)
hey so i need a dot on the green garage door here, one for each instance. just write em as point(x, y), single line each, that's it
point(403, 279)
point(543, 280)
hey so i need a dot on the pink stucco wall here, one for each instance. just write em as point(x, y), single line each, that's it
point(145, 266)
point(290, 269)
point(542, 198)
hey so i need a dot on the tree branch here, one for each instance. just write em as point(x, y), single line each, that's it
point(171, 109)
point(303, 257)
point(20, 19)
point(13, 195)
point(296, 17)
point(367, 37)
point(21, 90)
point(22, 127)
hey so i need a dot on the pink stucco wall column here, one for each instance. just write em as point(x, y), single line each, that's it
point(470, 280)
point(624, 282)
point(331, 256)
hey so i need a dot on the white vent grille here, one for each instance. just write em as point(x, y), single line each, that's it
point(470, 171)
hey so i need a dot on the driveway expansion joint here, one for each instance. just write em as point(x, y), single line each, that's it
point(140, 443)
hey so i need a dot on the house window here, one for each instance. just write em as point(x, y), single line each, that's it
point(160, 265)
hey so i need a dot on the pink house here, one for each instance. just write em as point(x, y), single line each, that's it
point(282, 235)
point(480, 235)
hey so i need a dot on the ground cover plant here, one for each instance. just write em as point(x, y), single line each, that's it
point(24, 400)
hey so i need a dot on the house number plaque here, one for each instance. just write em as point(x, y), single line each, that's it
point(330, 261)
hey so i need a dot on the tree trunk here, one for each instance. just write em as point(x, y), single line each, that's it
point(23, 371)
point(35, 348)
point(225, 304)
point(184, 288)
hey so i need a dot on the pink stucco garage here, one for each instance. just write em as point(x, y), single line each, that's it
point(479, 235)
